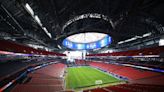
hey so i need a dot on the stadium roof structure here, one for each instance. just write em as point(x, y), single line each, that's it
point(46, 23)
point(86, 37)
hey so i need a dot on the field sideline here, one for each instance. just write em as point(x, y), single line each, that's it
point(85, 76)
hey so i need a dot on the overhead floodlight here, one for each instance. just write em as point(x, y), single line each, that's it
point(120, 42)
point(131, 39)
point(161, 42)
point(134, 38)
point(38, 20)
point(138, 36)
point(46, 31)
point(146, 35)
point(49, 35)
point(29, 9)
point(59, 47)
point(128, 40)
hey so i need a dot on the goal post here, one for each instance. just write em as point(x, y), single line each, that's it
point(98, 82)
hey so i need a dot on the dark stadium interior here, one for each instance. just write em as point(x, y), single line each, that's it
point(40, 39)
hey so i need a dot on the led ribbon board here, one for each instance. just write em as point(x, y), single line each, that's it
point(87, 46)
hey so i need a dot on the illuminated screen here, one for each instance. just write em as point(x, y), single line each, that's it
point(87, 46)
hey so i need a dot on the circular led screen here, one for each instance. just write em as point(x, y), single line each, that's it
point(87, 41)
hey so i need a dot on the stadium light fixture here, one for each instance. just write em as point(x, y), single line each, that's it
point(138, 36)
point(38, 20)
point(146, 35)
point(46, 31)
point(120, 42)
point(128, 40)
point(29, 9)
point(134, 38)
point(161, 42)
point(131, 39)
point(59, 47)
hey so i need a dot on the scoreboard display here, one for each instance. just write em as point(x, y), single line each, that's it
point(88, 46)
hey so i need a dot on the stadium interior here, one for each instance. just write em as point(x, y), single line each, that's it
point(81, 45)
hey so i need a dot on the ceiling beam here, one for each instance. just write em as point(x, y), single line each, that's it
point(21, 28)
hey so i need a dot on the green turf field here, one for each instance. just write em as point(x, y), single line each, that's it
point(78, 77)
